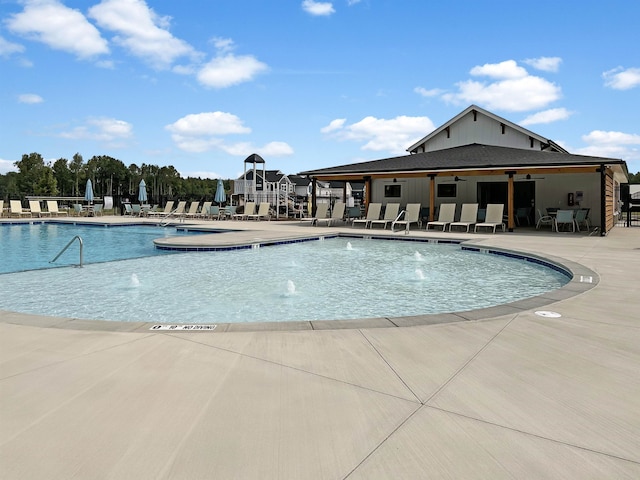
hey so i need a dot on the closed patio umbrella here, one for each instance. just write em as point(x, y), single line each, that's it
point(142, 193)
point(88, 192)
point(220, 197)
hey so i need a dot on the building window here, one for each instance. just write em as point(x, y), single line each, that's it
point(392, 191)
point(447, 190)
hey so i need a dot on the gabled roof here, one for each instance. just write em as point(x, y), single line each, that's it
point(270, 175)
point(467, 157)
point(549, 144)
point(300, 180)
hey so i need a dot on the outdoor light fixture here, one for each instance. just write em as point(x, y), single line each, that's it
point(458, 179)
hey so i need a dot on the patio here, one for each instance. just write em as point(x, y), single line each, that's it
point(511, 396)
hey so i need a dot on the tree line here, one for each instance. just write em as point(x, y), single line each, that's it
point(109, 176)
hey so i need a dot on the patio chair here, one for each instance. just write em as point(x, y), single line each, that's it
point(390, 214)
point(15, 208)
point(565, 217)
point(52, 207)
point(128, 209)
point(34, 206)
point(263, 212)
point(409, 216)
point(494, 217)
point(98, 209)
point(249, 209)
point(522, 213)
point(373, 213)
point(77, 210)
point(544, 220)
point(468, 216)
point(582, 218)
point(336, 214)
point(445, 216)
point(136, 210)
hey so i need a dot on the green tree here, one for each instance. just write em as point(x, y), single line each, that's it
point(76, 166)
point(63, 177)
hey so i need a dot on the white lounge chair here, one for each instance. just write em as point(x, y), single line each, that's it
point(34, 206)
point(193, 210)
point(373, 213)
point(263, 212)
point(249, 209)
point(390, 214)
point(15, 208)
point(409, 216)
point(494, 217)
point(321, 212)
point(336, 214)
point(446, 215)
point(166, 211)
point(205, 211)
point(52, 207)
point(468, 216)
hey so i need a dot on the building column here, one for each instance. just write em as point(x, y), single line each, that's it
point(432, 196)
point(314, 186)
point(510, 202)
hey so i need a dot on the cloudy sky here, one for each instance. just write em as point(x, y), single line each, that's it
point(308, 84)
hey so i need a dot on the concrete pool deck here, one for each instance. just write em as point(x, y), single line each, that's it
point(514, 395)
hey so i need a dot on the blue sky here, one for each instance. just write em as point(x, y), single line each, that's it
point(308, 84)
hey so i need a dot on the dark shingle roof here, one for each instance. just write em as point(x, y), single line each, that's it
point(473, 156)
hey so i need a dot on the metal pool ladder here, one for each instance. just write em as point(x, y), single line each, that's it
point(79, 238)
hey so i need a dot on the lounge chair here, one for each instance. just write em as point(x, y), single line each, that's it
point(166, 211)
point(321, 213)
point(52, 207)
point(446, 215)
point(390, 214)
point(336, 214)
point(493, 218)
point(468, 216)
point(409, 216)
point(34, 206)
point(263, 212)
point(373, 213)
point(205, 211)
point(544, 220)
point(565, 217)
point(15, 208)
point(249, 209)
point(193, 210)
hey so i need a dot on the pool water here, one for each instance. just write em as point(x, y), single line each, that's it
point(33, 246)
point(316, 280)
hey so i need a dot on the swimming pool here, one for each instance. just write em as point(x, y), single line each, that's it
point(328, 279)
point(32, 246)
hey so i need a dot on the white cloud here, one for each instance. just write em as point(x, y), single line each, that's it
point(621, 79)
point(506, 69)
point(611, 144)
point(7, 166)
point(514, 89)
point(59, 27)
point(211, 175)
point(378, 134)
point(208, 124)
point(101, 129)
point(547, 116)
point(334, 125)
point(547, 64)
point(271, 149)
point(318, 8)
point(225, 71)
point(30, 98)
point(8, 48)
point(201, 132)
point(141, 31)
point(434, 92)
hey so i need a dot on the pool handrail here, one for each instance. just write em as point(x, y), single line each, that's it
point(79, 238)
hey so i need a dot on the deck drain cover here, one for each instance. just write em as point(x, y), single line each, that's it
point(548, 314)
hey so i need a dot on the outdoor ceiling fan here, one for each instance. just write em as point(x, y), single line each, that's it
point(529, 177)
